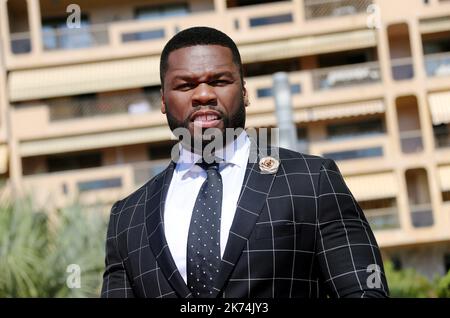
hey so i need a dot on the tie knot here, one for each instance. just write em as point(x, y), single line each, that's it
point(208, 166)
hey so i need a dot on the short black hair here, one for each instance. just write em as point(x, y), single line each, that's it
point(198, 36)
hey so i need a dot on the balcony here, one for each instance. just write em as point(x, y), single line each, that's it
point(345, 76)
point(135, 109)
point(363, 147)
point(442, 136)
point(411, 141)
point(382, 219)
point(333, 8)
point(68, 39)
point(402, 68)
point(422, 215)
point(20, 43)
point(93, 186)
point(92, 105)
point(437, 65)
point(127, 38)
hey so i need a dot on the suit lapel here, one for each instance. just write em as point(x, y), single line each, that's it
point(252, 198)
point(154, 209)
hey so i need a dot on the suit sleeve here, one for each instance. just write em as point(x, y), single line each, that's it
point(347, 253)
point(115, 279)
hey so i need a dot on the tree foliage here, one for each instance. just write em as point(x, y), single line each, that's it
point(36, 248)
point(408, 283)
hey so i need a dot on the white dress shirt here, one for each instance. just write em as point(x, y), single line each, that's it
point(183, 190)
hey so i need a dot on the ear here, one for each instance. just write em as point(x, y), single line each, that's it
point(163, 102)
point(245, 94)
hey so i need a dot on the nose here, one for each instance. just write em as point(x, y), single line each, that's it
point(204, 94)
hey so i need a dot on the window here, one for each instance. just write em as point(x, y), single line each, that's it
point(302, 134)
point(242, 3)
point(355, 129)
point(267, 91)
point(72, 107)
point(303, 139)
point(99, 184)
point(436, 42)
point(355, 154)
point(163, 11)
point(161, 151)
point(270, 67)
point(447, 262)
point(132, 101)
point(56, 34)
point(347, 57)
point(144, 35)
point(381, 213)
point(442, 135)
point(76, 161)
point(419, 197)
point(272, 19)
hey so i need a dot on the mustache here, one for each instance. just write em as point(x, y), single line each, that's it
point(205, 108)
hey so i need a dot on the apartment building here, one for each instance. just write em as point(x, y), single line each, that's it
point(370, 80)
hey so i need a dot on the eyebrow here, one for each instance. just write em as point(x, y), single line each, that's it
point(213, 76)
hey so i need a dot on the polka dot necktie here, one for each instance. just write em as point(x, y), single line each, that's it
point(203, 249)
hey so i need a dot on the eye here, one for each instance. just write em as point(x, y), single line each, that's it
point(218, 82)
point(185, 86)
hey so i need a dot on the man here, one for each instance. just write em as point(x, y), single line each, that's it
point(277, 226)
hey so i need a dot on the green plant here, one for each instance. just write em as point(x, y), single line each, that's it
point(407, 283)
point(36, 249)
point(443, 286)
point(22, 240)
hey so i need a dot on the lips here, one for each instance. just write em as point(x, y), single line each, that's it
point(206, 119)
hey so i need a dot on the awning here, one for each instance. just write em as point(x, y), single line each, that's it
point(340, 111)
point(435, 25)
point(444, 177)
point(439, 107)
point(94, 141)
point(373, 186)
point(308, 45)
point(83, 78)
point(3, 159)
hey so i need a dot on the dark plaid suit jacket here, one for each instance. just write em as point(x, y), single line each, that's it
point(296, 233)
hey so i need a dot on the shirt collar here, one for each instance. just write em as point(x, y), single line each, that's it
point(233, 154)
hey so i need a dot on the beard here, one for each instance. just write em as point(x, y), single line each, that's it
point(234, 121)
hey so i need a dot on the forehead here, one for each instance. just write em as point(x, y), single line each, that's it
point(201, 58)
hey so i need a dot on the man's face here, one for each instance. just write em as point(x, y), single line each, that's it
point(203, 89)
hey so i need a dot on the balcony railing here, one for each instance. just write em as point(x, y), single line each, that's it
point(382, 219)
point(331, 8)
point(143, 172)
point(75, 38)
point(365, 146)
point(411, 141)
point(402, 68)
point(246, 24)
point(437, 64)
point(91, 186)
point(422, 215)
point(347, 75)
point(355, 154)
point(20, 43)
point(93, 105)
